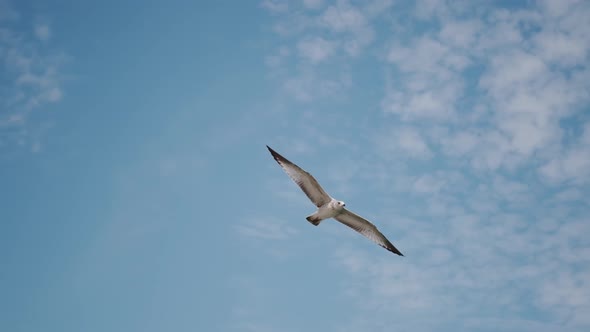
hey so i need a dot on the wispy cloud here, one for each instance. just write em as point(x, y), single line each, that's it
point(308, 85)
point(316, 49)
point(480, 156)
point(313, 4)
point(43, 32)
point(266, 228)
point(32, 75)
point(405, 141)
point(275, 6)
point(323, 38)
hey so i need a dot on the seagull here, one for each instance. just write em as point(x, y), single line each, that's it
point(329, 207)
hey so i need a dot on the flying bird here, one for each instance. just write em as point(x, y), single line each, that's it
point(328, 207)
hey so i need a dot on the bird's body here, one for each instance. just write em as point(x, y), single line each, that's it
point(329, 207)
point(326, 211)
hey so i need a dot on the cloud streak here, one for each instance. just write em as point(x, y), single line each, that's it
point(32, 72)
point(266, 229)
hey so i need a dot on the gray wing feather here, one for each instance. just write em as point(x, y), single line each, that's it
point(304, 180)
point(366, 228)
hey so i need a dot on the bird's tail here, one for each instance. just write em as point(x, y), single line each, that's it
point(313, 219)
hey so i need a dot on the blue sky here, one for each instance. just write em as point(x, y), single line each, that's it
point(137, 193)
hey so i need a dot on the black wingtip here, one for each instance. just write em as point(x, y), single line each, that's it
point(395, 251)
point(274, 154)
point(392, 249)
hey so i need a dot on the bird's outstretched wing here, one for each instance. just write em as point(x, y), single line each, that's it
point(304, 180)
point(366, 228)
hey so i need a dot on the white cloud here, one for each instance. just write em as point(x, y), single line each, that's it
point(561, 48)
point(460, 143)
point(425, 9)
point(522, 81)
point(429, 84)
point(344, 18)
point(569, 195)
point(313, 4)
point(275, 6)
point(424, 55)
point(502, 31)
point(573, 165)
point(45, 84)
point(481, 279)
point(558, 8)
point(377, 7)
point(512, 70)
point(461, 33)
point(316, 49)
point(530, 99)
point(432, 103)
point(568, 294)
point(43, 32)
point(403, 142)
point(428, 183)
point(32, 79)
point(484, 127)
point(266, 228)
point(411, 141)
point(328, 35)
point(309, 86)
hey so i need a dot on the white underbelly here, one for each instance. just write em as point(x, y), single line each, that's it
point(326, 212)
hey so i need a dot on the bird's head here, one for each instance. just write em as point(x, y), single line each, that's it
point(337, 205)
